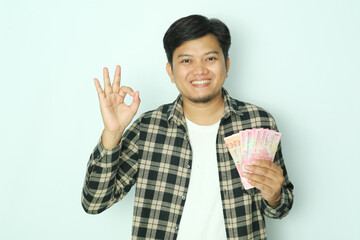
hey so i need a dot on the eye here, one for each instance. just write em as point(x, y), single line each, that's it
point(211, 59)
point(185, 61)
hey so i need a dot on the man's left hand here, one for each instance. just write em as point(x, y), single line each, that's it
point(268, 178)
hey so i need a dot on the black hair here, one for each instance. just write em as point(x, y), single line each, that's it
point(193, 27)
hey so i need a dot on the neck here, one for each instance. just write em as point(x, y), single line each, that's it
point(204, 113)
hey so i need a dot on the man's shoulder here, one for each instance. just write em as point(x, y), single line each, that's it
point(252, 115)
point(161, 113)
point(249, 108)
point(149, 120)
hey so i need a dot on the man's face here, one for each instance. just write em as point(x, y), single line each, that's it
point(199, 69)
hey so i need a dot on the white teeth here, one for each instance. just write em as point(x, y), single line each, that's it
point(200, 82)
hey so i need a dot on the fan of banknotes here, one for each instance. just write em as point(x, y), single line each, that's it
point(252, 144)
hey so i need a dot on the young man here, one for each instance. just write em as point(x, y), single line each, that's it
point(187, 185)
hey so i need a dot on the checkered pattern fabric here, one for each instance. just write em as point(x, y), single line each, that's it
point(155, 153)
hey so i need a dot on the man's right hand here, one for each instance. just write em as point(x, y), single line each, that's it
point(115, 113)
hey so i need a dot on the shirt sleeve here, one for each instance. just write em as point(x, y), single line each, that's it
point(111, 173)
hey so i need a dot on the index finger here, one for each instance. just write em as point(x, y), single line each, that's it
point(117, 78)
point(267, 164)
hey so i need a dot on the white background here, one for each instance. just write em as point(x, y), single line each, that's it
point(297, 59)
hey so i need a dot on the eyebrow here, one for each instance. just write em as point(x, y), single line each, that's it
point(189, 55)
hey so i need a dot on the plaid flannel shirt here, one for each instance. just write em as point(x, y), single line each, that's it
point(155, 153)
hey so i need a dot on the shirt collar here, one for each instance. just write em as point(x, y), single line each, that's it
point(176, 114)
point(231, 106)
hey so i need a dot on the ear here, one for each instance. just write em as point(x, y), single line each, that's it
point(170, 72)
point(227, 66)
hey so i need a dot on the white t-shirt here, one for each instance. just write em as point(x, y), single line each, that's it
point(202, 216)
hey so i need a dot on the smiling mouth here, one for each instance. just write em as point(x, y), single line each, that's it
point(200, 82)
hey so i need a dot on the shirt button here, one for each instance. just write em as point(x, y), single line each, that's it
point(188, 166)
point(183, 198)
point(176, 227)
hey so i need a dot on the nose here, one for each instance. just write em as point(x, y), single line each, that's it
point(200, 69)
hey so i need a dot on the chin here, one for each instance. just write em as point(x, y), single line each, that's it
point(202, 99)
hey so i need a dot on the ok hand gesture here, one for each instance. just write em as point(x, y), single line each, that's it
point(115, 113)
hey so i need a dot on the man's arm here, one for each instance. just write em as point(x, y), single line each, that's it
point(112, 166)
point(272, 180)
point(275, 187)
point(111, 173)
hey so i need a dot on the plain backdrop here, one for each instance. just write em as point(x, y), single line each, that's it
point(297, 59)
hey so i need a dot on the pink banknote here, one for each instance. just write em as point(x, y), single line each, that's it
point(252, 144)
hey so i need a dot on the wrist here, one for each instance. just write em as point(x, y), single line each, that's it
point(110, 139)
point(275, 201)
